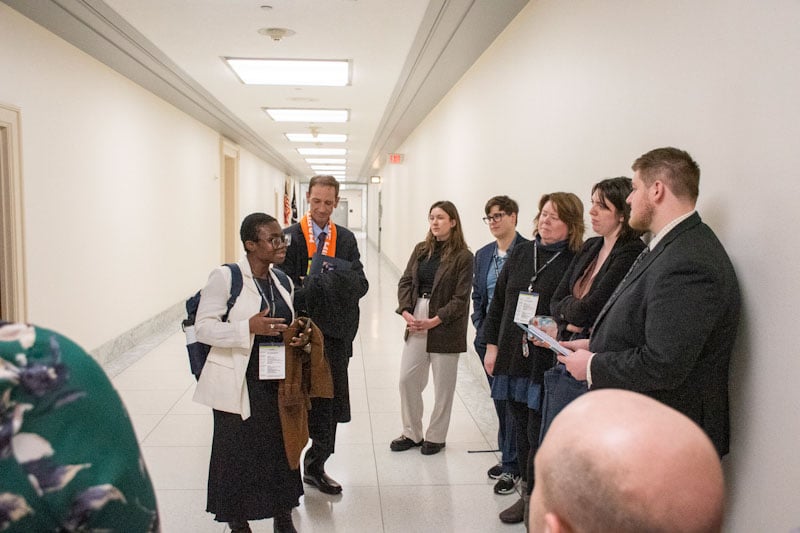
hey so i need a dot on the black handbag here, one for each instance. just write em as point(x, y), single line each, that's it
point(560, 388)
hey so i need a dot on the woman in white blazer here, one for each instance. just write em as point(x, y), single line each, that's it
point(249, 476)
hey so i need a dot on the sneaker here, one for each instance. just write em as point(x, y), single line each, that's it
point(496, 471)
point(506, 484)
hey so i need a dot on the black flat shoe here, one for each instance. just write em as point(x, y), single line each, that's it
point(240, 527)
point(403, 443)
point(430, 448)
point(282, 523)
point(323, 482)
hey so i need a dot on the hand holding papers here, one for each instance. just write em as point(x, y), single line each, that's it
point(538, 334)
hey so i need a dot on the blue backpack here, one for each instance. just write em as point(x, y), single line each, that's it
point(198, 351)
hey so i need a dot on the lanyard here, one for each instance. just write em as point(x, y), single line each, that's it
point(271, 301)
point(537, 270)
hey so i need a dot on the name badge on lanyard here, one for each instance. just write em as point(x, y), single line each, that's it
point(526, 307)
point(271, 361)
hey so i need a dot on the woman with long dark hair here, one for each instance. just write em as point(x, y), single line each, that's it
point(433, 296)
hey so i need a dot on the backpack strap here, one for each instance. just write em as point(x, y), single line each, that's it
point(236, 287)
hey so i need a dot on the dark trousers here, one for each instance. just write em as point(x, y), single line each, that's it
point(326, 413)
point(506, 432)
point(527, 422)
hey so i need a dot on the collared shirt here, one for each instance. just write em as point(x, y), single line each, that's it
point(317, 230)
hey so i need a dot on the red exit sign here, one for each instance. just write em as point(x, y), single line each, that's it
point(395, 159)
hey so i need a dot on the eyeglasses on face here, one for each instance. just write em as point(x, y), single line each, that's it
point(497, 217)
point(277, 242)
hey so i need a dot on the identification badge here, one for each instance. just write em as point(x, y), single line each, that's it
point(526, 307)
point(271, 361)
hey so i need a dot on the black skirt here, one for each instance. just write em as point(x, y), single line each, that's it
point(249, 477)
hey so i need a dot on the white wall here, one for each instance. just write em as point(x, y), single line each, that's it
point(573, 92)
point(122, 196)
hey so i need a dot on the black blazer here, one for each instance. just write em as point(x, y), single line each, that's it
point(330, 298)
point(670, 330)
point(582, 312)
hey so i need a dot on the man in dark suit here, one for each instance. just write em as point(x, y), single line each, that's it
point(324, 263)
point(669, 328)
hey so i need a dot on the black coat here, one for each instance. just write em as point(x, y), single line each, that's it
point(670, 330)
point(330, 298)
point(582, 312)
point(499, 327)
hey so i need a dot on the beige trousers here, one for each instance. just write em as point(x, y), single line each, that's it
point(415, 366)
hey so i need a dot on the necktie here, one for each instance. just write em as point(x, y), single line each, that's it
point(622, 283)
point(316, 260)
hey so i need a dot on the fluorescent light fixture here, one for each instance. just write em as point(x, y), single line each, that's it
point(374, 179)
point(307, 115)
point(325, 161)
point(326, 168)
point(318, 138)
point(322, 151)
point(303, 72)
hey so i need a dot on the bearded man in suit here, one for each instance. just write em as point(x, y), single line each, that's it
point(669, 328)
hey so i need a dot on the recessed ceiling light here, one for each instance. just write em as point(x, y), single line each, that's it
point(307, 115)
point(318, 138)
point(304, 72)
point(325, 160)
point(322, 151)
point(328, 168)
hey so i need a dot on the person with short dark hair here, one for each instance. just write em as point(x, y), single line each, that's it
point(433, 299)
point(324, 262)
point(619, 461)
point(669, 328)
point(249, 476)
point(501, 216)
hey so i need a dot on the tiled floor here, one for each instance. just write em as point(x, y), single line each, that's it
point(383, 491)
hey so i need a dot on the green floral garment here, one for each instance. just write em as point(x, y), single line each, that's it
point(69, 459)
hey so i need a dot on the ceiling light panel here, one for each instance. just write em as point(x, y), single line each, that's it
point(325, 161)
point(322, 151)
point(307, 115)
point(327, 168)
point(318, 138)
point(302, 72)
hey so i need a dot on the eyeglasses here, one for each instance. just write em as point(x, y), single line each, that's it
point(497, 217)
point(278, 242)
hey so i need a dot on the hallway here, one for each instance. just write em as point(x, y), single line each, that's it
point(383, 491)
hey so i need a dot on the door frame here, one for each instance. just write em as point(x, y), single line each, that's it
point(229, 199)
point(13, 289)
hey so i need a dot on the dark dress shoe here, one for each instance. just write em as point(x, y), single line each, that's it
point(240, 526)
point(282, 522)
point(323, 482)
point(514, 514)
point(403, 443)
point(430, 448)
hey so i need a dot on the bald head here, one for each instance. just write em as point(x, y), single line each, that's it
point(618, 461)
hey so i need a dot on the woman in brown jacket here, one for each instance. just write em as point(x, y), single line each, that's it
point(433, 296)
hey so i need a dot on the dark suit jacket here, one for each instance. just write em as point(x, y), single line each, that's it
point(330, 298)
point(669, 331)
point(582, 312)
point(480, 293)
point(449, 299)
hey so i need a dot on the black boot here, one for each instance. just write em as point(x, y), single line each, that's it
point(282, 522)
point(240, 526)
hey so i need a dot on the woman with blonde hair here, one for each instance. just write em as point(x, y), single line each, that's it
point(433, 296)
